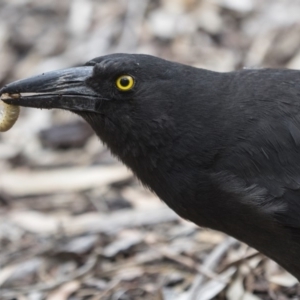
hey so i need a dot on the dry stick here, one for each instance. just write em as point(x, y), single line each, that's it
point(209, 264)
point(112, 286)
point(82, 271)
point(132, 26)
point(187, 263)
point(23, 254)
point(239, 261)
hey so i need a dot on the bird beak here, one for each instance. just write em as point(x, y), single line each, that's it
point(65, 89)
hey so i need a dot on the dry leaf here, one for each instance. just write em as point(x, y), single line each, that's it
point(64, 291)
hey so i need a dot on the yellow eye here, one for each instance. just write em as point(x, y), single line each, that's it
point(125, 83)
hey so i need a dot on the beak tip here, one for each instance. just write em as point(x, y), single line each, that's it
point(8, 89)
point(3, 90)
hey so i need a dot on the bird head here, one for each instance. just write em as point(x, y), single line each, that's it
point(114, 92)
point(139, 105)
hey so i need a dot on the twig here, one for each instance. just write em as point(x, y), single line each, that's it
point(187, 262)
point(239, 261)
point(210, 263)
point(132, 25)
point(82, 271)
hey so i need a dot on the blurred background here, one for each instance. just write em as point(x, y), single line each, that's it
point(74, 223)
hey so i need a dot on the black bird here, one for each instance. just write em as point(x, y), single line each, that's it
point(221, 149)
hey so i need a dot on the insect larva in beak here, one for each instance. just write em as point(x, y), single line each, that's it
point(8, 113)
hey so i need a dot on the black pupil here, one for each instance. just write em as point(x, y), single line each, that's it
point(124, 82)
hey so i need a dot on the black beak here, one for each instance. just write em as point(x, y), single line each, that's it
point(65, 89)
